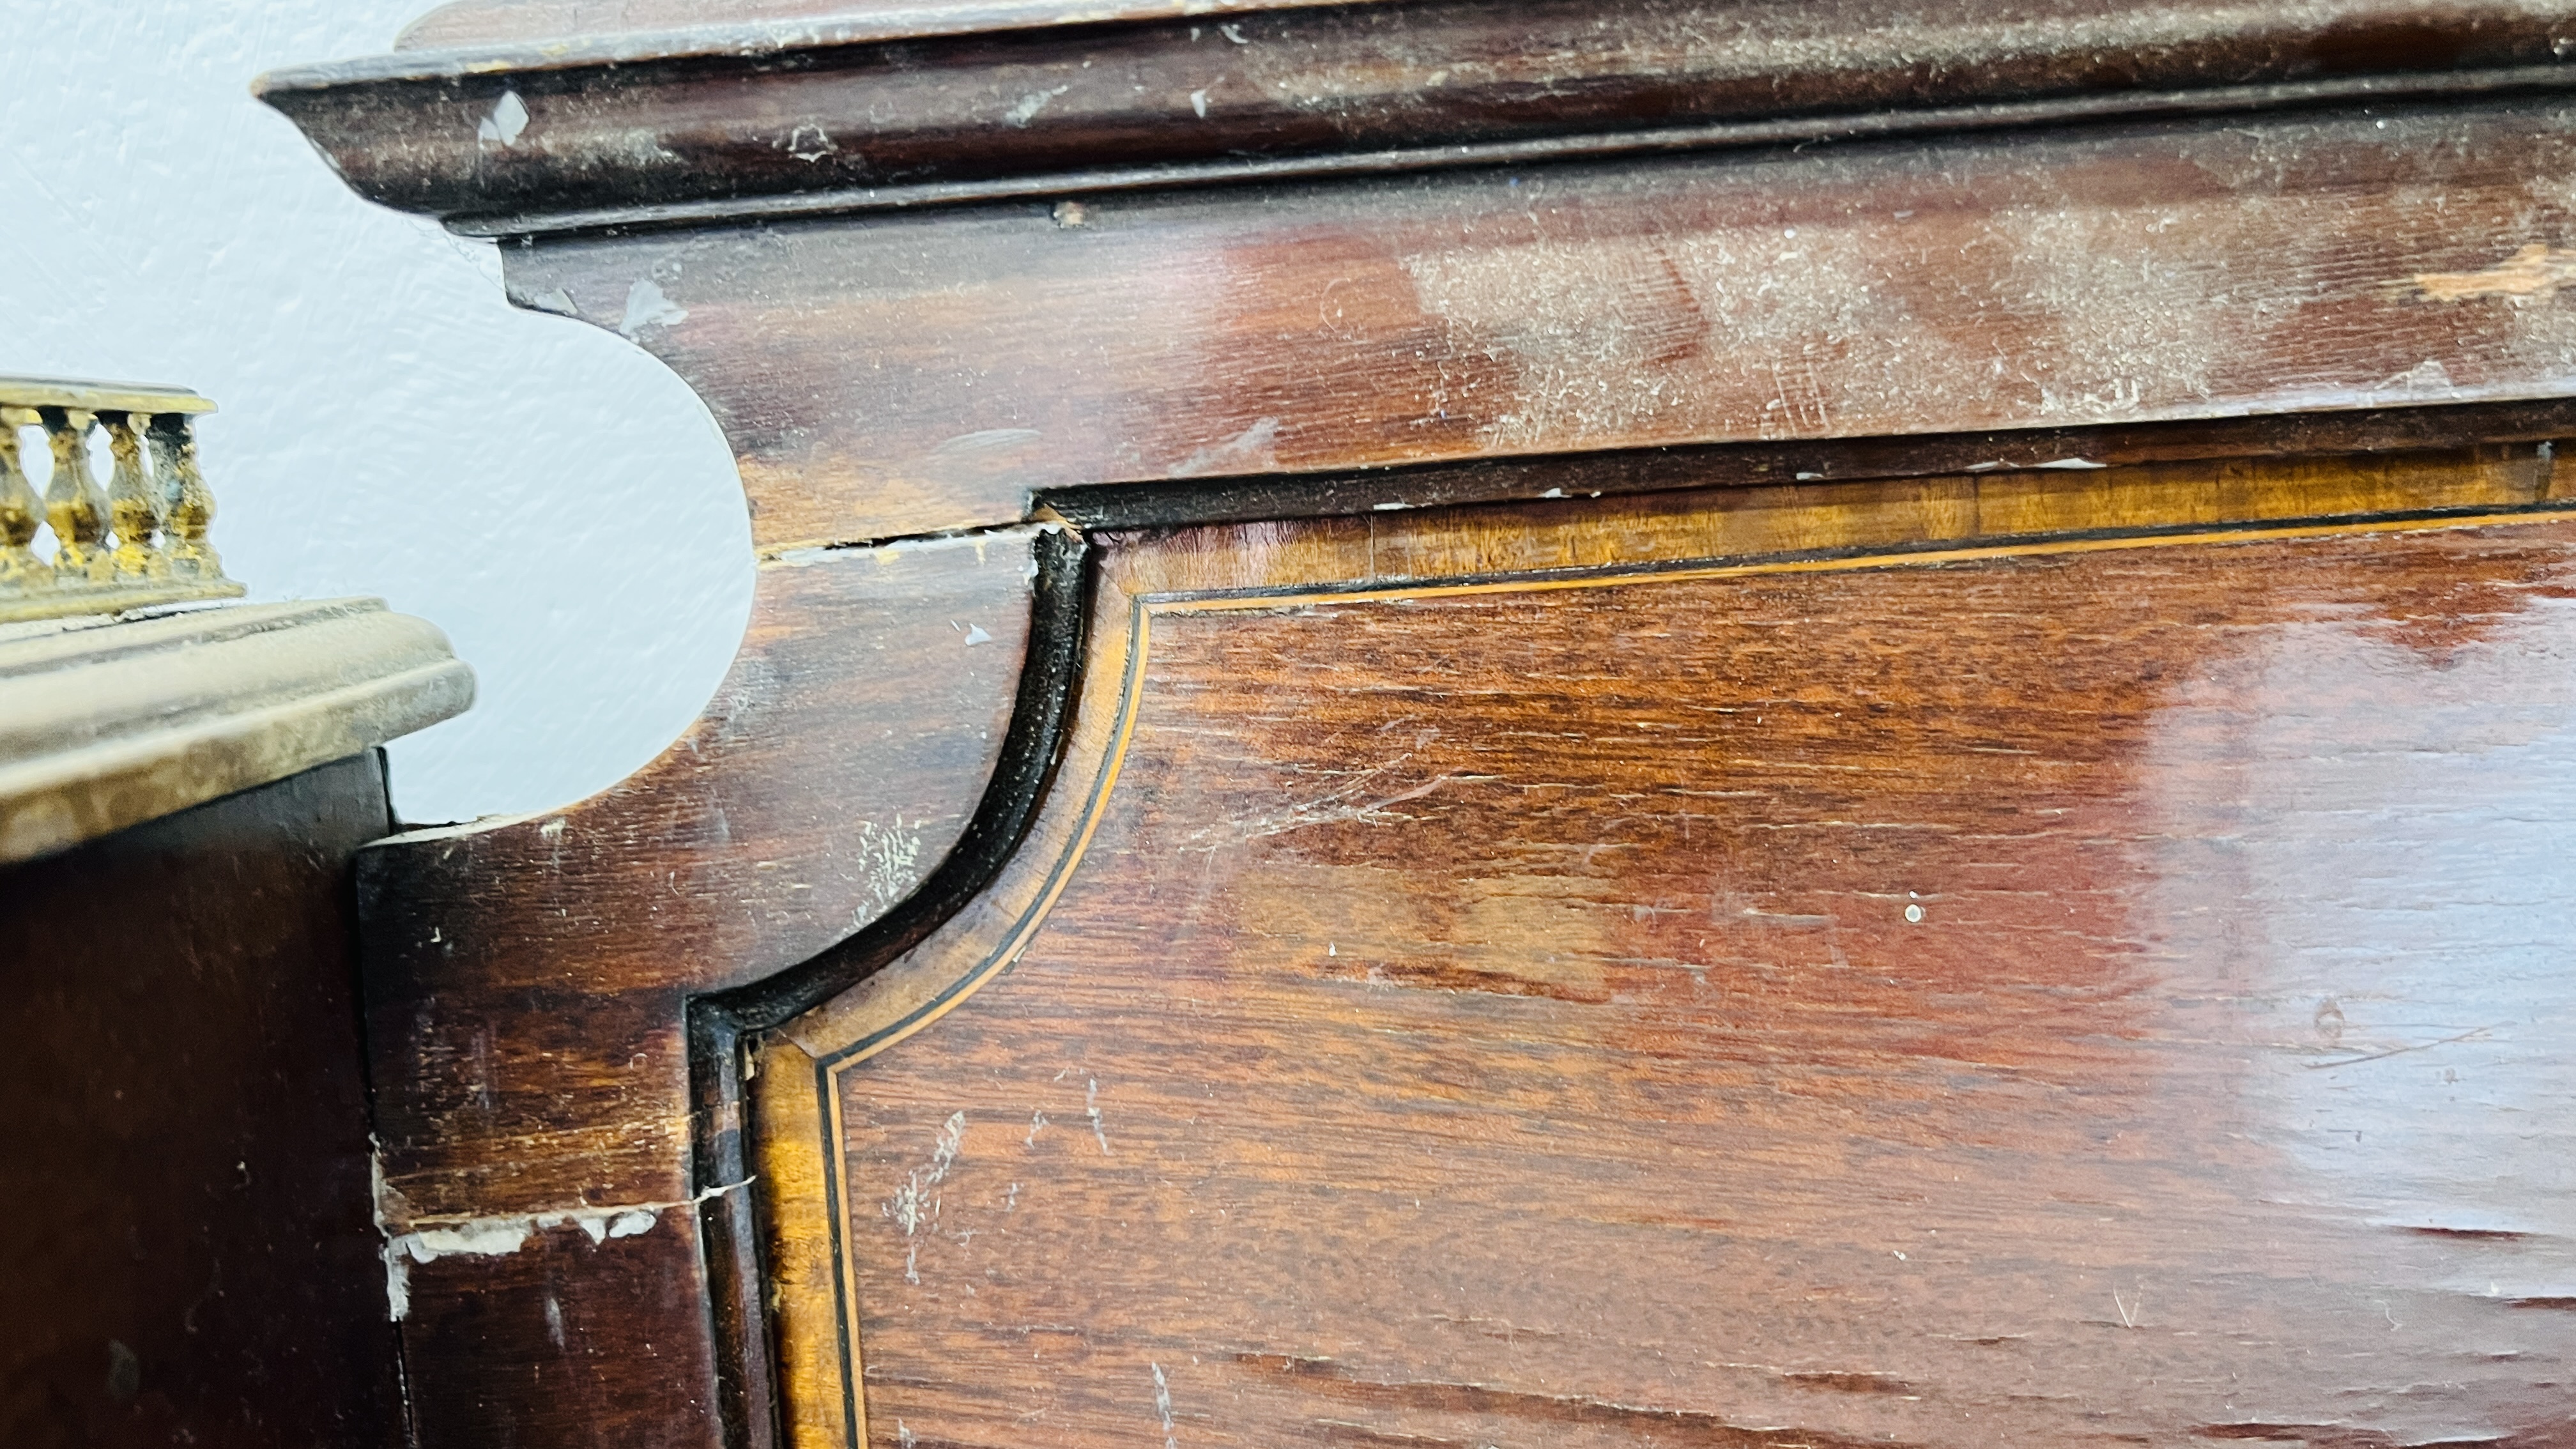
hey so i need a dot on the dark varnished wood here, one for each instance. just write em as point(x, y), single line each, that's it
point(2271, 264)
point(2351, 435)
point(188, 1258)
point(892, 375)
point(817, 794)
point(1469, 1005)
point(527, 982)
point(810, 106)
point(478, 24)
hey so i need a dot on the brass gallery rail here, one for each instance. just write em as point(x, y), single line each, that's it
point(135, 540)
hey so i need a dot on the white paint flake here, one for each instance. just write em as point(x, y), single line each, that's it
point(1163, 1405)
point(1091, 1108)
point(810, 143)
point(1030, 104)
point(915, 1206)
point(507, 123)
point(425, 1242)
point(647, 307)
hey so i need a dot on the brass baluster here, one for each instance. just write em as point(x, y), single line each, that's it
point(22, 570)
point(188, 506)
point(74, 504)
point(134, 504)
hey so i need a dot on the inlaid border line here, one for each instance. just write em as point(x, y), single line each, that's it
point(1144, 607)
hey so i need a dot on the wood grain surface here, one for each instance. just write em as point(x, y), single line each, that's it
point(847, 109)
point(188, 1258)
point(484, 23)
point(526, 982)
point(2058, 960)
point(886, 376)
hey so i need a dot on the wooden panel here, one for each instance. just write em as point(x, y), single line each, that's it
point(833, 771)
point(572, 1338)
point(526, 983)
point(1682, 973)
point(886, 376)
point(2219, 231)
point(188, 1258)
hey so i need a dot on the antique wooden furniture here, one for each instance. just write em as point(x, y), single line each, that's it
point(190, 1258)
point(1705, 723)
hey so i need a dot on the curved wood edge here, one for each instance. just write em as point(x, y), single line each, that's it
point(793, 1219)
point(1356, 346)
point(528, 987)
point(793, 1119)
point(579, 29)
point(836, 767)
point(718, 1023)
point(906, 995)
point(937, 104)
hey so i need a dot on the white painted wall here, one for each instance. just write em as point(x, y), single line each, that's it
point(553, 498)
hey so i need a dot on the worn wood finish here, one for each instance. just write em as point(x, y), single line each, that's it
point(569, 1338)
point(476, 24)
point(836, 766)
point(805, 107)
point(106, 725)
point(965, 266)
point(527, 983)
point(913, 373)
point(1951, 962)
point(188, 1258)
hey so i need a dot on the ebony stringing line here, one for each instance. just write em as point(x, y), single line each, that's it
point(720, 1025)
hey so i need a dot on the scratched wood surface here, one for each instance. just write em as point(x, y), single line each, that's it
point(805, 99)
point(2368, 257)
point(525, 984)
point(1477, 989)
point(836, 766)
point(480, 23)
point(885, 375)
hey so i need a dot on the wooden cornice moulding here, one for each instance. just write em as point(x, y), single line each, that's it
point(812, 108)
point(669, 24)
point(888, 375)
point(2191, 214)
point(111, 725)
